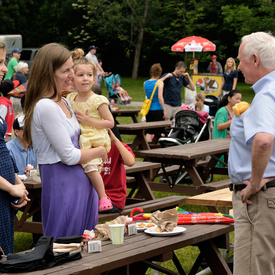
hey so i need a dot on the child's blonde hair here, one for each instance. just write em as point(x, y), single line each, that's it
point(86, 61)
point(200, 97)
point(77, 53)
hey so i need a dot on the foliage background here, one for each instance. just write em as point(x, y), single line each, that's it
point(134, 34)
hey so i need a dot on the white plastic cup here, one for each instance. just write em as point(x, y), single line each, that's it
point(117, 233)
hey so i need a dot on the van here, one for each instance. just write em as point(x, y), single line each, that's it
point(28, 54)
point(12, 41)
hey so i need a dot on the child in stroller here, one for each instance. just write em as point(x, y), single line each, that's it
point(113, 84)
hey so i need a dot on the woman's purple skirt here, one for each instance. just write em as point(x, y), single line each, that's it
point(69, 201)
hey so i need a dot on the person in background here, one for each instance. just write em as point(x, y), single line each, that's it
point(230, 77)
point(91, 55)
point(225, 114)
point(16, 54)
point(69, 201)
point(251, 163)
point(11, 187)
point(21, 152)
point(199, 104)
point(113, 172)
point(22, 70)
point(106, 73)
point(6, 108)
point(157, 110)
point(214, 67)
point(173, 83)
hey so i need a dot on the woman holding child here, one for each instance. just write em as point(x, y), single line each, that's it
point(69, 201)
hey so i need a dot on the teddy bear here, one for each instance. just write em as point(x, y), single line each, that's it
point(240, 108)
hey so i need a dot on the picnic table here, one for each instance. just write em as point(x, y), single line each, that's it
point(189, 157)
point(138, 252)
point(218, 198)
point(139, 130)
point(133, 113)
point(140, 171)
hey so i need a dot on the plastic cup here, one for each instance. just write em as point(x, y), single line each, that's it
point(117, 233)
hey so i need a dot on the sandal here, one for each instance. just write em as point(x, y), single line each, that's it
point(104, 204)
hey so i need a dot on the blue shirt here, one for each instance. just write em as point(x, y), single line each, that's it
point(21, 157)
point(149, 86)
point(172, 90)
point(259, 117)
point(229, 79)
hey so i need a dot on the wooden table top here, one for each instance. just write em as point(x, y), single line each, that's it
point(222, 197)
point(190, 151)
point(137, 248)
point(141, 166)
point(125, 111)
point(144, 125)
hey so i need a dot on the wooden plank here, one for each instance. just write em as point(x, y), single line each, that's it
point(221, 197)
point(147, 206)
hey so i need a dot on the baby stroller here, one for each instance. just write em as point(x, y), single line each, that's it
point(212, 101)
point(190, 127)
point(113, 84)
point(110, 84)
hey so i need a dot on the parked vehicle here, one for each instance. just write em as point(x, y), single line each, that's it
point(12, 41)
point(28, 54)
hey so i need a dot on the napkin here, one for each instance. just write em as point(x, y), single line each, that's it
point(165, 220)
point(60, 247)
point(103, 232)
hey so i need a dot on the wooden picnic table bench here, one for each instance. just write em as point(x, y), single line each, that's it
point(138, 252)
point(133, 113)
point(188, 156)
point(140, 192)
point(147, 206)
point(139, 130)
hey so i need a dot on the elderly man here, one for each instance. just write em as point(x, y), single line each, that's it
point(16, 54)
point(252, 161)
point(173, 83)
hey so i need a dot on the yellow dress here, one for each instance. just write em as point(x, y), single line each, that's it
point(91, 136)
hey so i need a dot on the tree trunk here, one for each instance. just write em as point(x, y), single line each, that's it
point(139, 41)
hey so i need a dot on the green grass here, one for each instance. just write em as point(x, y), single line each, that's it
point(135, 89)
point(186, 255)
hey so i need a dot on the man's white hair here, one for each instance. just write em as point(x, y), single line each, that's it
point(263, 44)
point(21, 65)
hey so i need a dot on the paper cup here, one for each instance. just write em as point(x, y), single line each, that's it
point(117, 233)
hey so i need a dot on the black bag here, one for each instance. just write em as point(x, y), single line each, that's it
point(40, 258)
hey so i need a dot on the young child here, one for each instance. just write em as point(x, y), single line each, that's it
point(94, 116)
point(113, 172)
point(199, 104)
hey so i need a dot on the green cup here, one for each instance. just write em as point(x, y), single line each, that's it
point(117, 233)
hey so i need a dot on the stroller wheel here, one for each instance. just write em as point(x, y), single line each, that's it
point(209, 179)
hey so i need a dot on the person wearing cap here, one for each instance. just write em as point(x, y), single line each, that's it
point(215, 67)
point(21, 152)
point(6, 108)
point(91, 55)
point(16, 54)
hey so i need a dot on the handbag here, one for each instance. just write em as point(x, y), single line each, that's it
point(147, 103)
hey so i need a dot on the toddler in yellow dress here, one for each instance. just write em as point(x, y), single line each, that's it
point(94, 117)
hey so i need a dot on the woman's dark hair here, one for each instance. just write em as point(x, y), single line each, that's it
point(224, 101)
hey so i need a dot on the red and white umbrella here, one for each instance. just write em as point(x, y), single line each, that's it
point(193, 44)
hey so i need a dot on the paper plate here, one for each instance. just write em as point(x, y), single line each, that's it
point(177, 230)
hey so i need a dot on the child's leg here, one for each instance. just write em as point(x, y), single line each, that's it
point(97, 183)
point(104, 202)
